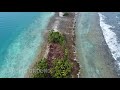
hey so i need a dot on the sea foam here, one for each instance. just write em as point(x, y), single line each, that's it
point(111, 40)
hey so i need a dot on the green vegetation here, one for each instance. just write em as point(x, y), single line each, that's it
point(65, 14)
point(56, 37)
point(41, 69)
point(61, 69)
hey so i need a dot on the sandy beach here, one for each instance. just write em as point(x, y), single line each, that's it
point(65, 26)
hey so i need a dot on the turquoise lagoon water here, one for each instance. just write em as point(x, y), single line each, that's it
point(20, 36)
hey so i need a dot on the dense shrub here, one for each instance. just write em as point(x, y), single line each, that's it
point(65, 14)
point(41, 69)
point(56, 37)
point(61, 69)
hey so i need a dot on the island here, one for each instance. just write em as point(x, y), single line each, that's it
point(58, 58)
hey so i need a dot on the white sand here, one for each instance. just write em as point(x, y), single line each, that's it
point(55, 26)
point(46, 52)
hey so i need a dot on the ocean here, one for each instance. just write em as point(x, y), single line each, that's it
point(21, 33)
point(97, 44)
point(110, 24)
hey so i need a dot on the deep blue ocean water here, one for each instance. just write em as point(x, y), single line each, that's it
point(20, 35)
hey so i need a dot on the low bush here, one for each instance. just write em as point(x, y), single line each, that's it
point(61, 69)
point(65, 14)
point(56, 37)
point(41, 69)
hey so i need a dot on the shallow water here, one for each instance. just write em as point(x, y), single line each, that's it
point(94, 57)
point(20, 35)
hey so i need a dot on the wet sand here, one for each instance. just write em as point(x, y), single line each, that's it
point(94, 55)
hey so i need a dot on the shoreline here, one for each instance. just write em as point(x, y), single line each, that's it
point(111, 41)
point(94, 55)
point(112, 60)
point(42, 47)
point(109, 62)
point(56, 22)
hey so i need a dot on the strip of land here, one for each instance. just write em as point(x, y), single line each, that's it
point(51, 51)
